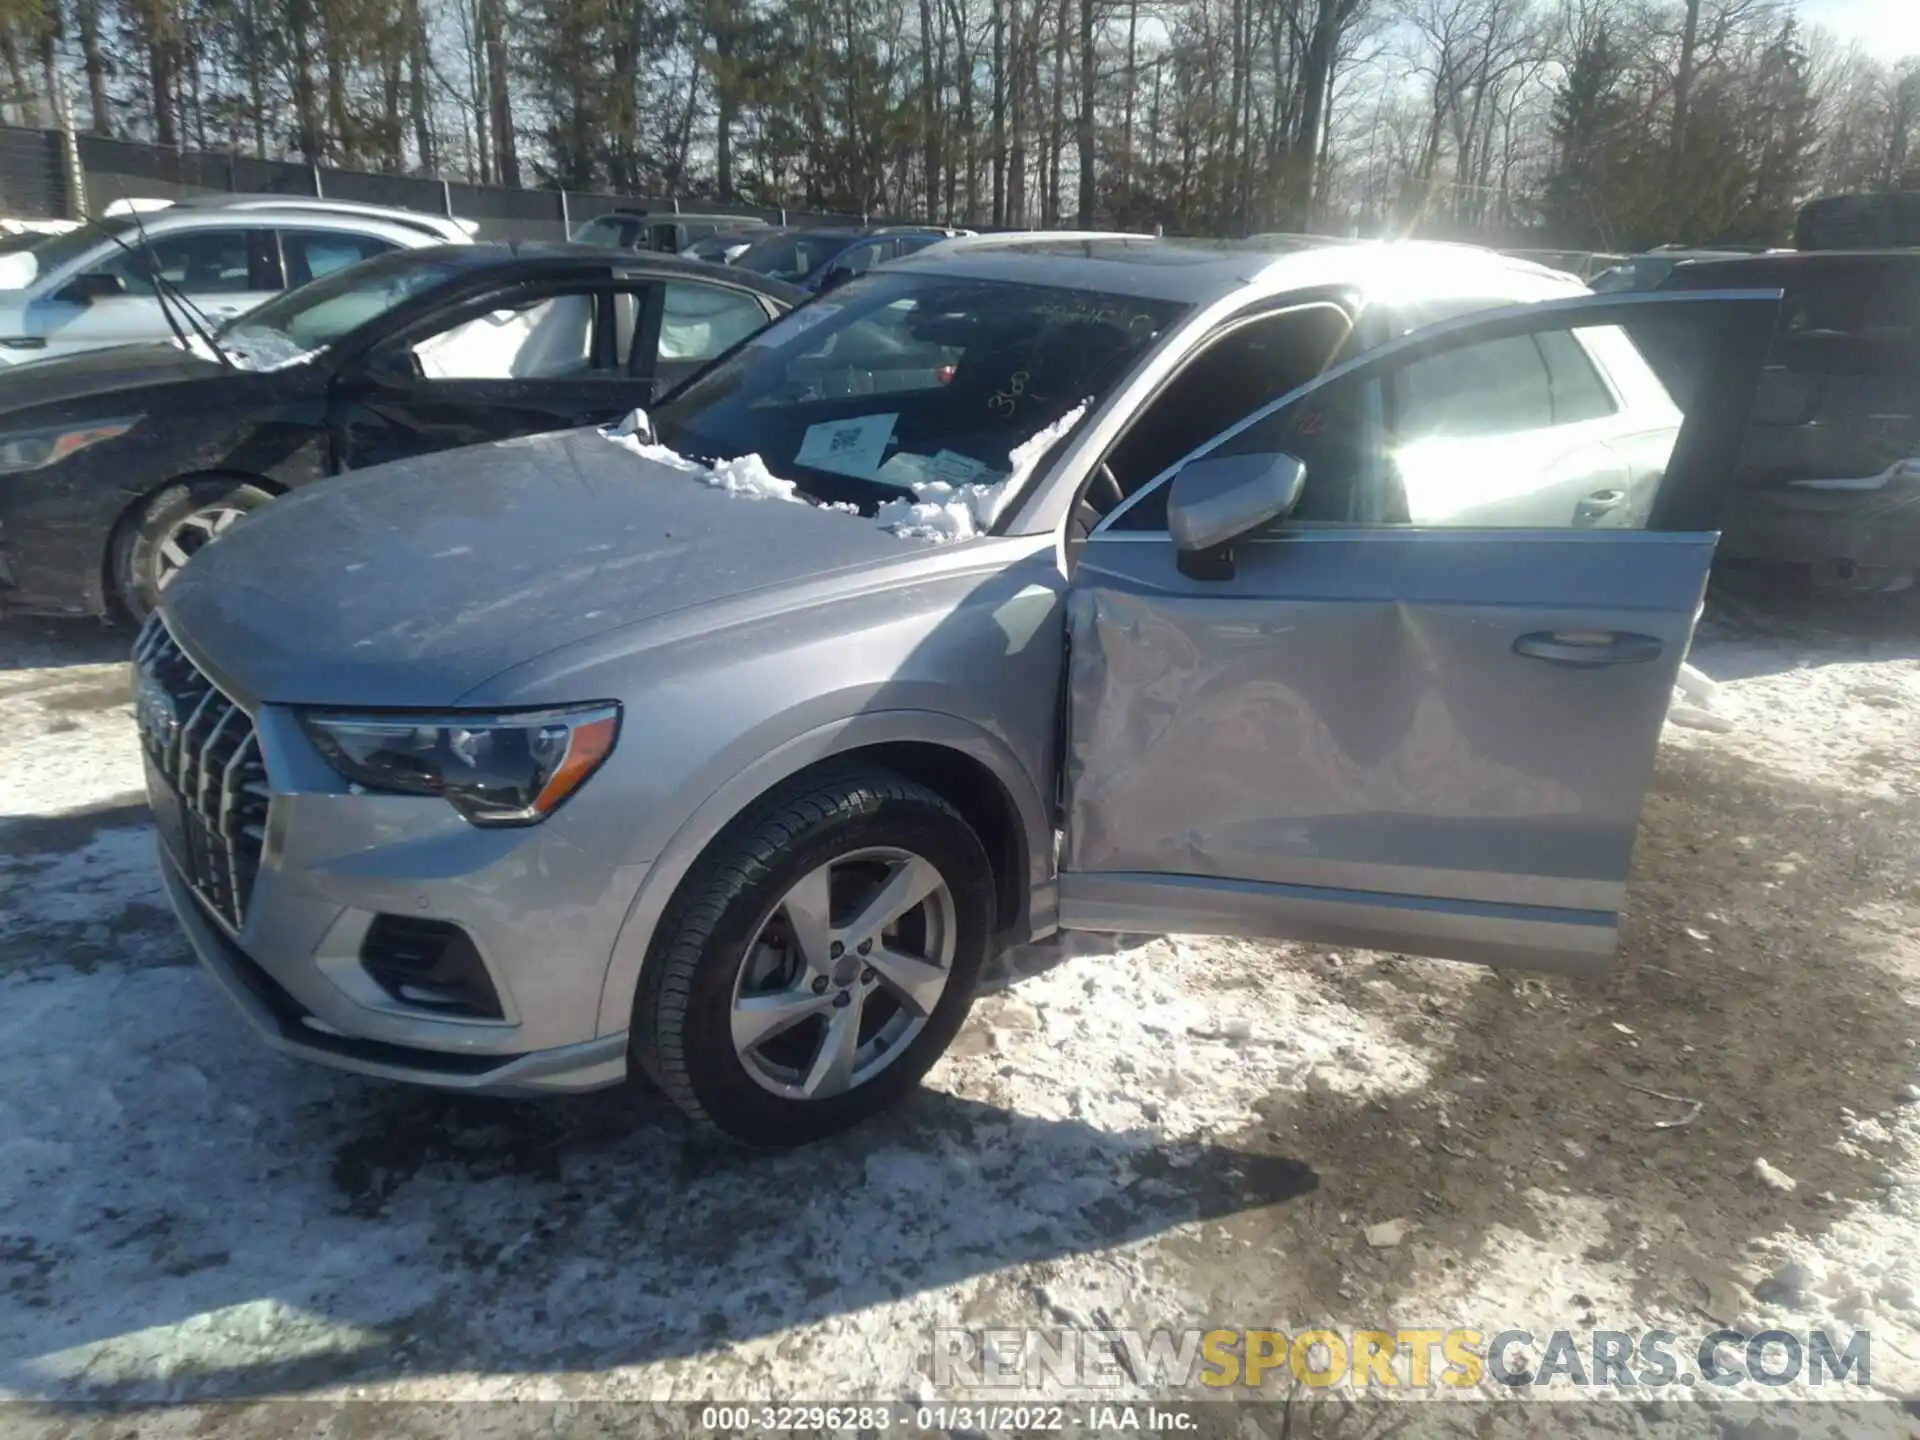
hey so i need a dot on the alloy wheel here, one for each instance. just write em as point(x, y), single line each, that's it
point(843, 972)
point(193, 534)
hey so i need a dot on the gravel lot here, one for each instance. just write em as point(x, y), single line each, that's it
point(1167, 1133)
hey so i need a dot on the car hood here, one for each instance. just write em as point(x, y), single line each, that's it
point(106, 374)
point(410, 584)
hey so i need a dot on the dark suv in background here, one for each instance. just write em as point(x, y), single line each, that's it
point(1830, 472)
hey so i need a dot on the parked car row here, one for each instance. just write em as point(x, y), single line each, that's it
point(815, 258)
point(1294, 589)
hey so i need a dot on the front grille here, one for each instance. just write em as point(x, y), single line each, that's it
point(205, 748)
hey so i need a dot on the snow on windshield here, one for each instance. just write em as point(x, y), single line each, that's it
point(248, 350)
point(264, 349)
point(747, 476)
point(941, 511)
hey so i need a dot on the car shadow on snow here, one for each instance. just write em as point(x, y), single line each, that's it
point(1771, 942)
point(1760, 618)
point(33, 643)
point(598, 1232)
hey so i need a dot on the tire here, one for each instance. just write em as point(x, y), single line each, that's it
point(705, 957)
point(179, 519)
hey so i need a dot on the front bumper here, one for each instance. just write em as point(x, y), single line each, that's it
point(289, 1026)
point(378, 932)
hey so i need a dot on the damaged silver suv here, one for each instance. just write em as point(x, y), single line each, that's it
point(1332, 592)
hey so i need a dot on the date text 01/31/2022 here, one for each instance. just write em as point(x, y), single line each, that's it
point(938, 1418)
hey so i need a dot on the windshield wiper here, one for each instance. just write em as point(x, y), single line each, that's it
point(165, 290)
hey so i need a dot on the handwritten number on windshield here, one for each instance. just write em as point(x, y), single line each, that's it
point(1006, 401)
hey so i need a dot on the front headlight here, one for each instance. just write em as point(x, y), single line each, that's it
point(495, 769)
point(22, 450)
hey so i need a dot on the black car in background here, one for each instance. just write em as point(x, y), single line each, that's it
point(1649, 269)
point(820, 258)
point(668, 232)
point(116, 465)
point(1829, 476)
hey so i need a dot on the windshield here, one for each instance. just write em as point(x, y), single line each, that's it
point(794, 257)
point(716, 247)
point(24, 263)
point(904, 378)
point(316, 315)
point(605, 230)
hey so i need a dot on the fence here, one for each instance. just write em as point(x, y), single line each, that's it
point(34, 185)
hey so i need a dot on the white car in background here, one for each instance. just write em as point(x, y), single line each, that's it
point(93, 286)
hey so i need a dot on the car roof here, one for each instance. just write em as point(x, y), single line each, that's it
point(1199, 272)
point(544, 257)
point(311, 204)
point(750, 222)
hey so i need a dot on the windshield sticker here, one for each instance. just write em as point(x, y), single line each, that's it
point(948, 466)
point(847, 447)
point(796, 322)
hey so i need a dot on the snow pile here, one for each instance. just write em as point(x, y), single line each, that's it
point(263, 349)
point(1693, 703)
point(942, 511)
point(247, 352)
point(747, 476)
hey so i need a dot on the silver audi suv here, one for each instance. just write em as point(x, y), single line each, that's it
point(1327, 591)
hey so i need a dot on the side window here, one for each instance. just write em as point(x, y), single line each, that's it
point(862, 258)
point(1250, 366)
point(699, 321)
point(199, 262)
point(547, 337)
point(1469, 437)
point(1489, 389)
point(1578, 391)
point(309, 254)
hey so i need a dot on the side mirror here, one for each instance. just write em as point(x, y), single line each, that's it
point(1216, 500)
point(93, 285)
point(397, 366)
point(835, 277)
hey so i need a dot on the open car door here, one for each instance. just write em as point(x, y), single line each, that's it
point(1386, 663)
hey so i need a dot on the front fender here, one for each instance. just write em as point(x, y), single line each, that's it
point(839, 737)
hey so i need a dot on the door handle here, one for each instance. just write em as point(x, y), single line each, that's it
point(1584, 648)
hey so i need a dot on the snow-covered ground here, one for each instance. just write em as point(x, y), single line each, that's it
point(1172, 1133)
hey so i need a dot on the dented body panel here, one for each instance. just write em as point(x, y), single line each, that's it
point(1344, 733)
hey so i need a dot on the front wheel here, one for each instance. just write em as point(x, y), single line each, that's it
point(177, 524)
point(818, 960)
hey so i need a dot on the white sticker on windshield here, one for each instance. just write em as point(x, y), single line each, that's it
point(847, 447)
point(796, 322)
point(948, 466)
